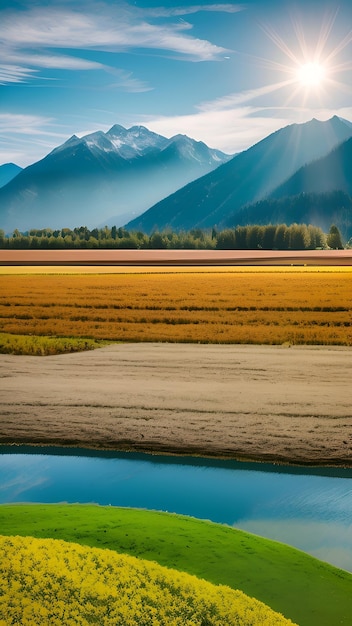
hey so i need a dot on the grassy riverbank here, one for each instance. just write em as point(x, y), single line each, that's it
point(304, 589)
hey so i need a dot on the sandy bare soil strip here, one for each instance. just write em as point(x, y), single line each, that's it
point(254, 402)
point(175, 257)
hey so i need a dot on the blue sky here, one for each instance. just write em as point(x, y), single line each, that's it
point(226, 73)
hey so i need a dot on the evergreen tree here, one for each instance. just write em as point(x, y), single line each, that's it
point(299, 238)
point(226, 239)
point(268, 237)
point(241, 237)
point(334, 238)
point(280, 239)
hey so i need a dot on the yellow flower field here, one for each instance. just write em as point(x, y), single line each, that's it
point(241, 305)
point(46, 581)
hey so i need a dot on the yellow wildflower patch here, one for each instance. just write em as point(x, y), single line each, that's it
point(47, 581)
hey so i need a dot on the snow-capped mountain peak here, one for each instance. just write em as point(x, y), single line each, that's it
point(108, 176)
point(97, 140)
point(138, 141)
point(196, 150)
point(70, 143)
point(127, 143)
point(116, 130)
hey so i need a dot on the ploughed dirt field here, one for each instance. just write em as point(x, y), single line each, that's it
point(268, 403)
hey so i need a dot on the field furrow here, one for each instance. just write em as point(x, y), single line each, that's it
point(300, 306)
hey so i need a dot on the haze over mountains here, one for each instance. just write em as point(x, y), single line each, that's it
point(322, 175)
point(219, 198)
point(8, 171)
point(102, 178)
point(319, 209)
point(301, 173)
point(319, 193)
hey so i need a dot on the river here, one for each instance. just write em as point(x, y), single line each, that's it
point(309, 508)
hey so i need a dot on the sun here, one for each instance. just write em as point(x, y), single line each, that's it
point(311, 75)
point(309, 62)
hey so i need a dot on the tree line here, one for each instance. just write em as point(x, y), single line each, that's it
point(253, 237)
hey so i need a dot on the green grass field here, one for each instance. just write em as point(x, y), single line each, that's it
point(309, 592)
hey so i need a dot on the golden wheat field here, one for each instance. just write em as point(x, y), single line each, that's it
point(299, 305)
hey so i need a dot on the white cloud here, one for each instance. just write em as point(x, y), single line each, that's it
point(111, 29)
point(233, 124)
point(25, 139)
point(28, 36)
point(178, 11)
point(126, 82)
point(53, 61)
point(15, 74)
point(23, 124)
point(228, 130)
point(235, 99)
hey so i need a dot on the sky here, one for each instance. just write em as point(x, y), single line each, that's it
point(227, 73)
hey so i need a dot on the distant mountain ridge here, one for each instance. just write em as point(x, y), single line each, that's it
point(123, 142)
point(318, 193)
point(333, 171)
point(300, 173)
point(8, 171)
point(319, 209)
point(103, 177)
point(247, 178)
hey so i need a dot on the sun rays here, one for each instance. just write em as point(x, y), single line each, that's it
point(311, 63)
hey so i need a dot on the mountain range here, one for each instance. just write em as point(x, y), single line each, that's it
point(319, 193)
point(103, 178)
point(8, 171)
point(287, 162)
point(300, 173)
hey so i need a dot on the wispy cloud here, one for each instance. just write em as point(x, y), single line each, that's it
point(53, 61)
point(235, 99)
point(15, 74)
point(236, 122)
point(27, 138)
point(196, 8)
point(125, 81)
point(232, 123)
point(24, 124)
point(230, 130)
point(28, 36)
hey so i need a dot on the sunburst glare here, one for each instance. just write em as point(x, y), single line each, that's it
point(311, 74)
point(310, 67)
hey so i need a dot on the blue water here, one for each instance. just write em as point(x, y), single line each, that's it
point(308, 508)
